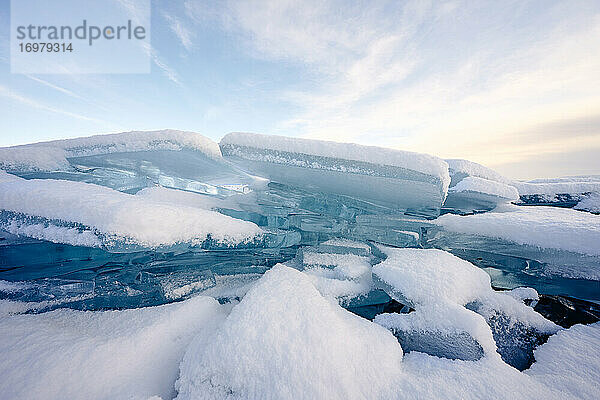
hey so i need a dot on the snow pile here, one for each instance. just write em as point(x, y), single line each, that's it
point(285, 341)
point(131, 354)
point(364, 172)
point(108, 215)
point(438, 286)
point(52, 155)
point(177, 197)
point(569, 361)
point(343, 276)
point(480, 185)
point(590, 203)
point(545, 227)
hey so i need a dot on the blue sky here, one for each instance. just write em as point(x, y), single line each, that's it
point(513, 85)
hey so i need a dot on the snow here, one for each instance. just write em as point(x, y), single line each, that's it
point(545, 227)
point(131, 354)
point(107, 212)
point(285, 341)
point(569, 361)
point(52, 155)
point(438, 285)
point(481, 185)
point(347, 243)
point(424, 163)
point(188, 199)
point(589, 203)
point(342, 276)
point(568, 185)
point(470, 168)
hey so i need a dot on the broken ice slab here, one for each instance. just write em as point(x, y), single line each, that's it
point(544, 242)
point(473, 193)
point(405, 181)
point(447, 344)
point(85, 214)
point(130, 161)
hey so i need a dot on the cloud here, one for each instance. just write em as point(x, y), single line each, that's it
point(180, 30)
point(12, 95)
point(445, 78)
point(167, 70)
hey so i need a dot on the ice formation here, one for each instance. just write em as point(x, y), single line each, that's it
point(545, 227)
point(456, 309)
point(84, 214)
point(54, 155)
point(370, 173)
point(473, 193)
point(296, 268)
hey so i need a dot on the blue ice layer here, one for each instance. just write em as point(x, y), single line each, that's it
point(510, 265)
point(398, 188)
point(131, 171)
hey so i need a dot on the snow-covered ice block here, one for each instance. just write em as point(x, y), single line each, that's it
point(285, 341)
point(545, 227)
point(475, 187)
point(460, 169)
point(130, 354)
point(473, 193)
point(454, 299)
point(131, 160)
point(567, 191)
point(53, 155)
point(569, 361)
point(90, 215)
point(398, 179)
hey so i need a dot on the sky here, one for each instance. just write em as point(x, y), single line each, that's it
point(514, 85)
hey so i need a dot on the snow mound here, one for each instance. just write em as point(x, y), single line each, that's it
point(285, 341)
point(131, 354)
point(569, 361)
point(545, 227)
point(52, 155)
point(93, 214)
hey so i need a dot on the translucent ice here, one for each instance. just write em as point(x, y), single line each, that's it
point(402, 180)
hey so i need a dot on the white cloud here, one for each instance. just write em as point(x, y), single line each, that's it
point(180, 30)
point(446, 78)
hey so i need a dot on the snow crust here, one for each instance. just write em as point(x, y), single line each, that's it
point(569, 361)
point(545, 227)
point(474, 169)
point(481, 185)
point(130, 354)
point(104, 211)
point(52, 155)
point(285, 341)
point(424, 163)
point(568, 185)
